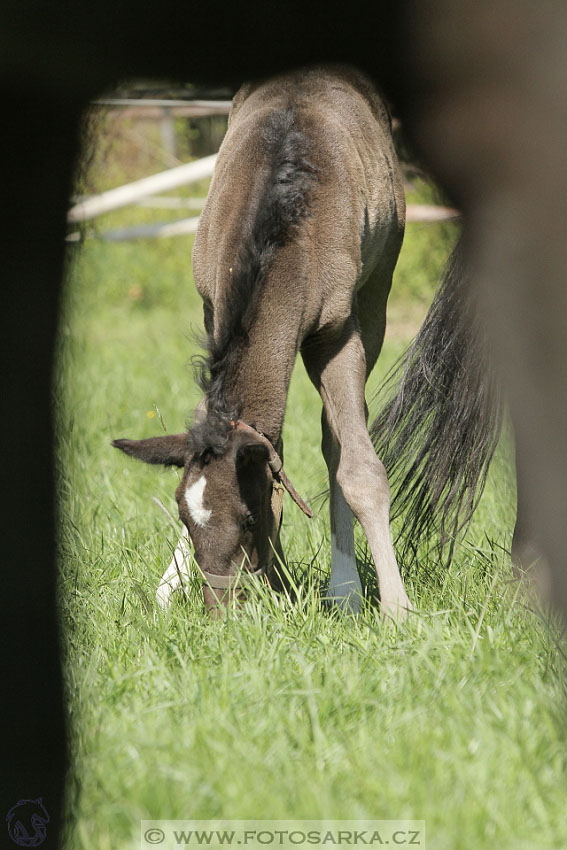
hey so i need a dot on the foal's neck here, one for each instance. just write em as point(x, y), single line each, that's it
point(258, 381)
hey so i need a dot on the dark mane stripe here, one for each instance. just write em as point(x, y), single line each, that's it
point(283, 205)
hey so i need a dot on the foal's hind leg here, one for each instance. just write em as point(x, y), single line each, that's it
point(337, 367)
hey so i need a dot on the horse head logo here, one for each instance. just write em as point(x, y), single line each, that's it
point(27, 823)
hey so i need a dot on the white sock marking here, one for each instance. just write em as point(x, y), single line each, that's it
point(344, 585)
point(194, 499)
point(178, 572)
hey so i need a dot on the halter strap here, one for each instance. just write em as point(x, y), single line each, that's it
point(276, 465)
point(230, 582)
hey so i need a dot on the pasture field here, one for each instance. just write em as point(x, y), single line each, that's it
point(284, 709)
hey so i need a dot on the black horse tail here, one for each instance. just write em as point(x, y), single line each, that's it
point(438, 430)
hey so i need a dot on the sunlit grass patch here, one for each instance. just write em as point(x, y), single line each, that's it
point(286, 708)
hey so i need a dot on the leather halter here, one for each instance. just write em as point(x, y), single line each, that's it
point(280, 482)
point(276, 465)
point(231, 582)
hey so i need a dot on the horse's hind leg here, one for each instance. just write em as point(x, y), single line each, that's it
point(527, 557)
point(337, 367)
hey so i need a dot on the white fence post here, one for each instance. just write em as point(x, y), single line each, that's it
point(123, 195)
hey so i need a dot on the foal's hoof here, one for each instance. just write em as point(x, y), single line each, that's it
point(350, 601)
point(396, 609)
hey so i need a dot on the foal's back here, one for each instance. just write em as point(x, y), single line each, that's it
point(332, 132)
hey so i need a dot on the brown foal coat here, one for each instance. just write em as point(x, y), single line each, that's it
point(295, 252)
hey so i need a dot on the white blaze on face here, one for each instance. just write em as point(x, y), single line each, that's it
point(194, 500)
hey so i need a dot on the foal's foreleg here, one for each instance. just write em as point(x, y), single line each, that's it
point(338, 370)
point(344, 587)
point(177, 574)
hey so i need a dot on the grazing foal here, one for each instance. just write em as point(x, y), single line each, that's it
point(295, 251)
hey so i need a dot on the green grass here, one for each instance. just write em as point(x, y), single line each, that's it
point(282, 710)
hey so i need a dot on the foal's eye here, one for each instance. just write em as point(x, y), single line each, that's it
point(250, 520)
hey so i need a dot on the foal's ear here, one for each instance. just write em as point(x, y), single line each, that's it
point(169, 450)
point(251, 452)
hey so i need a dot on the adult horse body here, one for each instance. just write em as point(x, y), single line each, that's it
point(295, 252)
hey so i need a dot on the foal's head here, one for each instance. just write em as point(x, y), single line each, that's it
point(225, 500)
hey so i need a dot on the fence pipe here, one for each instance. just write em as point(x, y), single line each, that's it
point(122, 196)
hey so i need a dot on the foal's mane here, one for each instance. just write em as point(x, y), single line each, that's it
point(283, 204)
